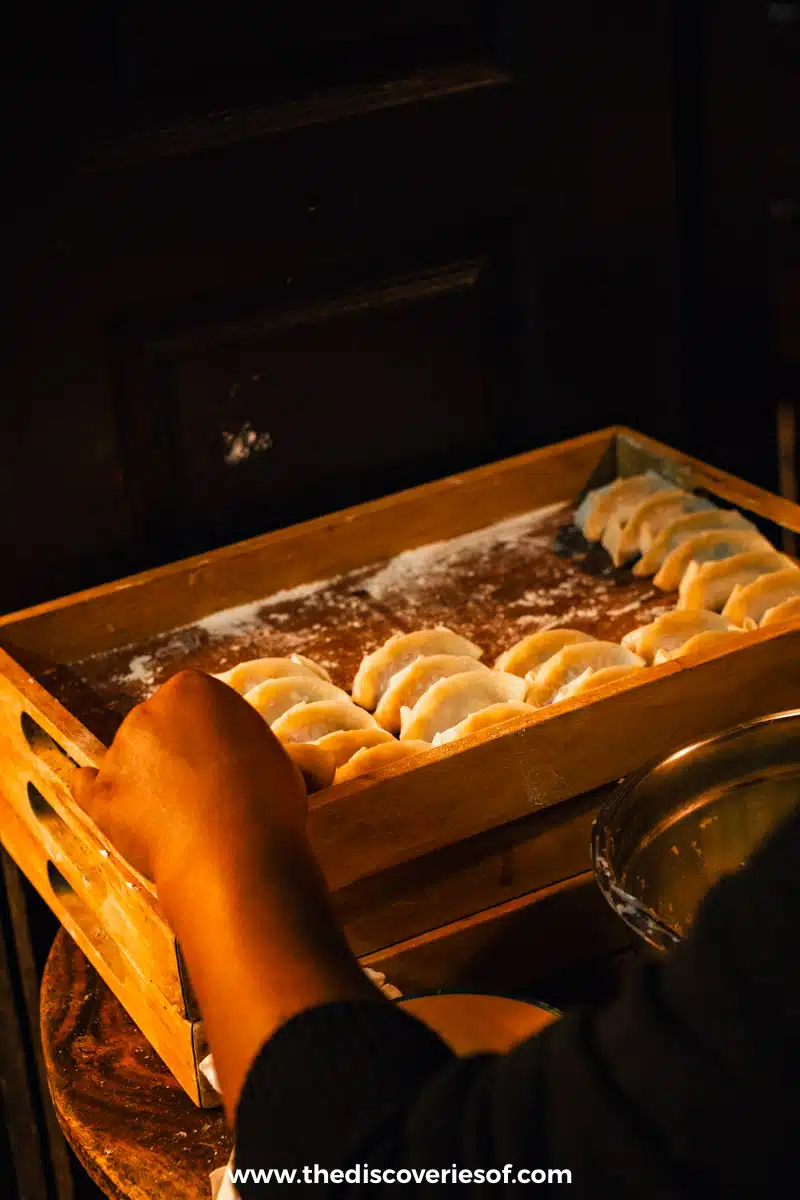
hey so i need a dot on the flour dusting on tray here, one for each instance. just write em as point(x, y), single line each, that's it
point(465, 556)
point(493, 585)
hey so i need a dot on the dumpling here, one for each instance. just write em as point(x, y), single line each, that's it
point(664, 511)
point(624, 532)
point(302, 661)
point(310, 722)
point(451, 700)
point(495, 714)
point(247, 675)
point(571, 662)
point(315, 765)
point(532, 651)
point(684, 527)
point(371, 758)
point(617, 499)
point(708, 585)
point(788, 611)
point(372, 678)
point(591, 679)
point(747, 604)
point(669, 632)
point(344, 743)
point(406, 687)
point(709, 546)
point(276, 696)
point(695, 645)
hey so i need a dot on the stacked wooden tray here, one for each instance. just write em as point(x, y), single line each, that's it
point(439, 864)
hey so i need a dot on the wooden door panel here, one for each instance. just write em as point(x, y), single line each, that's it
point(350, 175)
point(287, 412)
point(283, 47)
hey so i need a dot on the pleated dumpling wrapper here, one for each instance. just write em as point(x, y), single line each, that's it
point(372, 677)
point(372, 758)
point(788, 611)
point(344, 743)
point(624, 534)
point(712, 545)
point(406, 687)
point(664, 508)
point(670, 631)
point(484, 718)
point(708, 640)
point(571, 662)
point(617, 498)
point(309, 722)
point(590, 680)
point(709, 585)
point(315, 765)
point(247, 675)
point(274, 697)
point(747, 604)
point(684, 527)
point(535, 649)
point(451, 700)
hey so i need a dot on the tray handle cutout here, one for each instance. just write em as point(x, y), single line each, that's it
point(87, 923)
point(67, 843)
point(46, 748)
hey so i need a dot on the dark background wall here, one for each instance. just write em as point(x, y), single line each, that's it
point(382, 242)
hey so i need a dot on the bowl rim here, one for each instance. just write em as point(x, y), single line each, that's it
point(631, 910)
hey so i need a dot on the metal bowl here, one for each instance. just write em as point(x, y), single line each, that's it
point(674, 828)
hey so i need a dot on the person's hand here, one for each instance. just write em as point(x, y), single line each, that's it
point(193, 772)
point(199, 795)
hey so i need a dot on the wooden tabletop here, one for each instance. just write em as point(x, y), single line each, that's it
point(130, 1123)
point(132, 1126)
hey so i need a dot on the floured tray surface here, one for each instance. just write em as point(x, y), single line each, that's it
point(494, 586)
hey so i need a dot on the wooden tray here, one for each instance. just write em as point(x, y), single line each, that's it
point(430, 874)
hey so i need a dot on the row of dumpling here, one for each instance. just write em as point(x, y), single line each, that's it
point(431, 687)
point(428, 686)
point(715, 557)
point(323, 730)
point(559, 663)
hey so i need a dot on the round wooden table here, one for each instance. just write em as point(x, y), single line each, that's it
point(132, 1126)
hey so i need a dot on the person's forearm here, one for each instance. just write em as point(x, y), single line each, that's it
point(261, 945)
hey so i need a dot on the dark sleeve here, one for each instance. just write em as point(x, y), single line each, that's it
point(686, 1085)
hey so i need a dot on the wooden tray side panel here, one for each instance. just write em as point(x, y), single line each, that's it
point(135, 608)
point(463, 879)
point(160, 1021)
point(372, 823)
point(636, 452)
point(39, 752)
point(509, 947)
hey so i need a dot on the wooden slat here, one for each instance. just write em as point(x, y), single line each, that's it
point(475, 874)
point(219, 129)
point(68, 837)
point(129, 912)
point(510, 946)
point(168, 1032)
